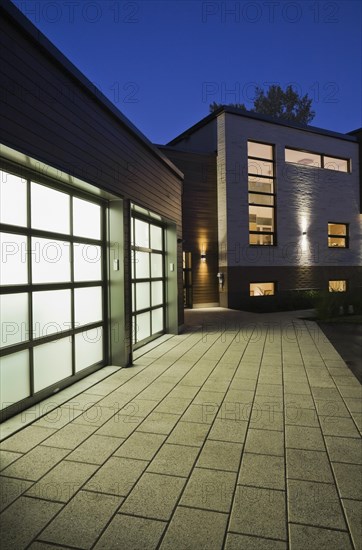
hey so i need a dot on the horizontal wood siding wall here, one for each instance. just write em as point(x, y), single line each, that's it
point(199, 220)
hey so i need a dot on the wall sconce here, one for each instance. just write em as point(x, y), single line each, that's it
point(203, 256)
point(304, 233)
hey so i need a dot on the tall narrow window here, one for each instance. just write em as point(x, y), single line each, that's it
point(337, 235)
point(261, 185)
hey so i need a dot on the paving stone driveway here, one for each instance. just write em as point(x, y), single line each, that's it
point(240, 433)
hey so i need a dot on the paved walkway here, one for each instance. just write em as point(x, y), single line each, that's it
point(241, 433)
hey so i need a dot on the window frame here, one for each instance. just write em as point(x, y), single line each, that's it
point(273, 206)
point(275, 288)
point(333, 235)
point(322, 160)
point(339, 281)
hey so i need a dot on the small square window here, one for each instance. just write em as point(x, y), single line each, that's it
point(262, 289)
point(337, 235)
point(338, 286)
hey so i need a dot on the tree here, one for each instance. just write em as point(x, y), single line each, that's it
point(276, 103)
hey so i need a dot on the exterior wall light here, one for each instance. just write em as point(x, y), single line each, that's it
point(304, 233)
point(203, 256)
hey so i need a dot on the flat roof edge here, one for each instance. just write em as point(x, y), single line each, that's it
point(263, 118)
point(51, 50)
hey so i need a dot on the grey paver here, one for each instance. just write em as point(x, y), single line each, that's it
point(117, 476)
point(70, 436)
point(228, 430)
point(344, 427)
point(314, 504)
point(95, 416)
point(154, 496)
point(267, 442)
point(300, 437)
point(96, 449)
point(344, 449)
point(58, 417)
point(25, 440)
point(82, 519)
point(176, 460)
point(259, 511)
point(303, 536)
point(349, 480)
point(220, 455)
point(120, 426)
point(270, 419)
point(190, 528)
point(301, 417)
point(243, 542)
point(309, 465)
point(353, 511)
point(29, 513)
point(189, 433)
point(262, 471)
point(11, 489)
point(35, 463)
point(173, 405)
point(210, 490)
point(159, 423)
point(7, 457)
point(132, 533)
point(202, 413)
point(61, 483)
point(140, 445)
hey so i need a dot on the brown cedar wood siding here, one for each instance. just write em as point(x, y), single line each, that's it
point(49, 115)
point(199, 219)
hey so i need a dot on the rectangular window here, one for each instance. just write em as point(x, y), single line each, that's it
point(262, 289)
point(338, 286)
point(316, 160)
point(261, 186)
point(337, 235)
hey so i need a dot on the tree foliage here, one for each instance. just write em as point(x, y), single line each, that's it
point(277, 103)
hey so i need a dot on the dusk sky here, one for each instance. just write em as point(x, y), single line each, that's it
point(163, 62)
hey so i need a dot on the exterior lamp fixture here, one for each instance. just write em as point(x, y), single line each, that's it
point(304, 233)
point(203, 256)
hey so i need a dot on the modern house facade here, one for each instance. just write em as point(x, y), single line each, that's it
point(269, 208)
point(90, 225)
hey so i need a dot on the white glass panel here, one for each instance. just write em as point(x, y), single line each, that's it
point(87, 262)
point(142, 265)
point(263, 185)
point(14, 318)
point(261, 289)
point(12, 199)
point(331, 163)
point(157, 320)
point(88, 348)
point(260, 167)
point(156, 237)
point(87, 305)
point(157, 293)
point(51, 312)
point(13, 259)
point(14, 378)
point(86, 219)
point(50, 260)
point(303, 158)
point(142, 295)
point(142, 234)
point(156, 265)
point(254, 198)
point(142, 326)
point(261, 218)
point(49, 209)
point(260, 150)
point(52, 363)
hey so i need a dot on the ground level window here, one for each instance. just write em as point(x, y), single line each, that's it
point(262, 289)
point(337, 235)
point(337, 286)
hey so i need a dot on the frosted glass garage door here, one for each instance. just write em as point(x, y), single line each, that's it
point(53, 289)
point(148, 276)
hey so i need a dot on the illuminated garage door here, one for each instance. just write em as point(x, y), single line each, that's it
point(52, 287)
point(148, 278)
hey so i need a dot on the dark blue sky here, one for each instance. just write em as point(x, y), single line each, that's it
point(163, 62)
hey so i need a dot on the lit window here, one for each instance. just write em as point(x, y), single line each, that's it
point(262, 289)
point(337, 235)
point(337, 286)
point(316, 160)
point(261, 194)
